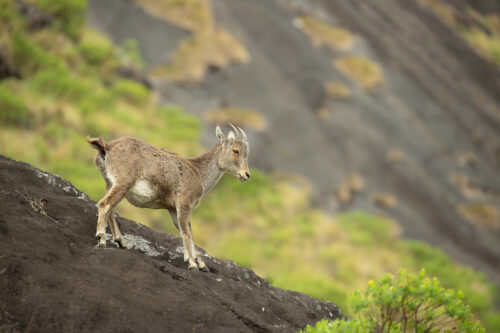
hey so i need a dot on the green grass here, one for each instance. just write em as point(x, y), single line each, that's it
point(15, 112)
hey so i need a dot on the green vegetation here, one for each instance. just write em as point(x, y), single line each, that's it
point(69, 88)
point(406, 303)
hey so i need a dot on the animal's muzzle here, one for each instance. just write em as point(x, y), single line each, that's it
point(244, 177)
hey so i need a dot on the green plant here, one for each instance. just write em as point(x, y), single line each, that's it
point(29, 57)
point(96, 48)
point(69, 14)
point(61, 84)
point(406, 303)
point(131, 53)
point(13, 109)
point(131, 91)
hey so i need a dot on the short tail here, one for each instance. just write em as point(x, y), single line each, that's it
point(99, 144)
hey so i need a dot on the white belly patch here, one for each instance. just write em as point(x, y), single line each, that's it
point(142, 194)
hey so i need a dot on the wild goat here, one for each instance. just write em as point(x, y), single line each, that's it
point(152, 177)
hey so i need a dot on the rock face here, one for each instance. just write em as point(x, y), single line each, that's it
point(53, 279)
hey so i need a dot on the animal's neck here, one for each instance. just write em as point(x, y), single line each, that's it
point(208, 166)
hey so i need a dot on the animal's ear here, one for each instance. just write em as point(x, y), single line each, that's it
point(219, 134)
point(231, 135)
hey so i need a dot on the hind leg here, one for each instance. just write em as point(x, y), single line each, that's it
point(117, 235)
point(105, 207)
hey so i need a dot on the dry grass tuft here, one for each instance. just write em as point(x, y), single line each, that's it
point(323, 113)
point(337, 90)
point(347, 190)
point(395, 156)
point(467, 187)
point(384, 200)
point(362, 70)
point(192, 15)
point(323, 34)
point(238, 116)
point(482, 214)
point(466, 159)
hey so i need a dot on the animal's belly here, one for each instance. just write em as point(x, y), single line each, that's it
point(144, 195)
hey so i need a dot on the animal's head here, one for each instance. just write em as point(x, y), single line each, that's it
point(235, 150)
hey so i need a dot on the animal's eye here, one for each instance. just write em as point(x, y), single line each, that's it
point(236, 151)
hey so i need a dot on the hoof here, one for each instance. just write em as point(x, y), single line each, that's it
point(201, 265)
point(101, 240)
point(193, 267)
point(120, 242)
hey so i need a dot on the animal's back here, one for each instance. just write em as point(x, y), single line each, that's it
point(139, 158)
point(154, 172)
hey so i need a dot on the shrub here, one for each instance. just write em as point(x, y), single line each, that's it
point(129, 50)
point(96, 48)
point(29, 57)
point(131, 91)
point(13, 109)
point(480, 294)
point(60, 84)
point(406, 303)
point(69, 14)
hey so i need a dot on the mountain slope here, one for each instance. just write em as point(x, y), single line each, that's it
point(53, 279)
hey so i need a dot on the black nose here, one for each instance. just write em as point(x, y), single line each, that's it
point(248, 175)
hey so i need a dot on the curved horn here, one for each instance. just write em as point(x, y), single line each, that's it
point(236, 131)
point(243, 134)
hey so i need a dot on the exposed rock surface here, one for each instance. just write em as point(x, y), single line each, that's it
point(53, 279)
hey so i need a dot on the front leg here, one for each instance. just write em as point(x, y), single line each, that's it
point(191, 255)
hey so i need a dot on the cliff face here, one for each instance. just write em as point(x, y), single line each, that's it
point(53, 279)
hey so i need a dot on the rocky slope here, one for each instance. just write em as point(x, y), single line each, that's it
point(53, 279)
point(429, 136)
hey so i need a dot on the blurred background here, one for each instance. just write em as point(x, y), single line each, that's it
point(374, 125)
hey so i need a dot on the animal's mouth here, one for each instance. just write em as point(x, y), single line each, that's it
point(242, 179)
